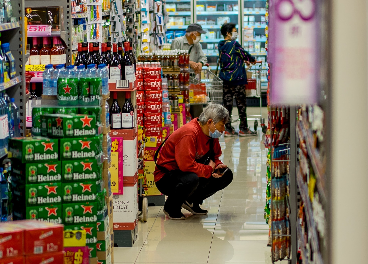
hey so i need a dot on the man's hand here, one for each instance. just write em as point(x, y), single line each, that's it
point(212, 164)
point(199, 68)
point(221, 166)
point(193, 65)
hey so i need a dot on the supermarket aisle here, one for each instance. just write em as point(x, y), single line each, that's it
point(234, 231)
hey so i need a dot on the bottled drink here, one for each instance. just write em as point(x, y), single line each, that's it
point(4, 196)
point(69, 72)
point(55, 53)
point(47, 79)
point(127, 112)
point(4, 126)
point(79, 58)
point(6, 64)
point(129, 73)
point(62, 51)
point(1, 64)
point(131, 53)
point(103, 73)
point(80, 72)
point(45, 52)
point(96, 48)
point(120, 50)
point(91, 59)
point(85, 54)
point(104, 59)
point(107, 114)
point(15, 117)
point(109, 142)
point(54, 77)
point(108, 45)
point(115, 112)
point(34, 58)
point(115, 67)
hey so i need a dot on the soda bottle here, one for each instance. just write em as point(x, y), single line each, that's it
point(47, 82)
point(103, 73)
point(127, 113)
point(15, 117)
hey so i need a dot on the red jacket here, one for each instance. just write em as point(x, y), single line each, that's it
point(183, 147)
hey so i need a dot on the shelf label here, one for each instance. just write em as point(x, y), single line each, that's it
point(35, 68)
point(39, 30)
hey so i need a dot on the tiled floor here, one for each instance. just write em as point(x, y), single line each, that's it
point(234, 231)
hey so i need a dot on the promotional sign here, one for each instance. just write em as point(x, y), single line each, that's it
point(116, 168)
point(294, 52)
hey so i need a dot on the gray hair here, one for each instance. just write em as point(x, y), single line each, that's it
point(215, 112)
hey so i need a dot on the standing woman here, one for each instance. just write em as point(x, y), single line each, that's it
point(232, 62)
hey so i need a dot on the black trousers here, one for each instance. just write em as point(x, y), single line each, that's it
point(182, 186)
point(231, 90)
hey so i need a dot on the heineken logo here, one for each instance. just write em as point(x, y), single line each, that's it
point(85, 144)
point(67, 89)
point(57, 132)
point(59, 121)
point(91, 240)
point(87, 208)
point(88, 230)
point(76, 154)
point(42, 200)
point(87, 165)
point(83, 197)
point(85, 219)
point(38, 156)
point(51, 189)
point(51, 211)
point(84, 176)
point(48, 146)
point(53, 221)
point(86, 187)
point(51, 167)
point(82, 132)
point(48, 178)
point(36, 130)
point(98, 246)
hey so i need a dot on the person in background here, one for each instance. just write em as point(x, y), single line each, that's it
point(188, 168)
point(232, 62)
point(190, 41)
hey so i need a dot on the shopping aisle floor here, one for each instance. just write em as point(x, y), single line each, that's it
point(234, 231)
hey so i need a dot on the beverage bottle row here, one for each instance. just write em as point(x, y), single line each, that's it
point(169, 59)
point(178, 81)
point(7, 63)
point(121, 62)
point(122, 118)
point(43, 53)
point(9, 120)
point(6, 11)
point(51, 76)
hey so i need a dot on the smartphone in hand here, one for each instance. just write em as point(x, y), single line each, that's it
point(221, 171)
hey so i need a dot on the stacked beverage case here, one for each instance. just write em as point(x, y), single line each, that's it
point(61, 173)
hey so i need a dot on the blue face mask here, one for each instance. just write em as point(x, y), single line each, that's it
point(215, 134)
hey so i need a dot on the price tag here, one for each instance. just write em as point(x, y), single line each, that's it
point(35, 68)
point(151, 142)
point(39, 30)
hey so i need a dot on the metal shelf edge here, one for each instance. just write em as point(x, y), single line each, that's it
point(10, 84)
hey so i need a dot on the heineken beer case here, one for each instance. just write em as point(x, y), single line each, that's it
point(81, 170)
point(67, 91)
point(81, 191)
point(80, 213)
point(90, 228)
point(34, 149)
point(43, 193)
point(32, 173)
point(81, 148)
point(59, 126)
point(92, 250)
point(46, 213)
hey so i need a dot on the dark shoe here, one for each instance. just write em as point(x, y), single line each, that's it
point(244, 132)
point(175, 216)
point(194, 208)
point(229, 131)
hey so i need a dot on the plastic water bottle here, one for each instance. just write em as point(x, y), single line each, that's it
point(103, 72)
point(91, 71)
point(80, 71)
point(4, 196)
point(55, 76)
point(109, 142)
point(70, 72)
point(47, 79)
point(15, 116)
point(107, 114)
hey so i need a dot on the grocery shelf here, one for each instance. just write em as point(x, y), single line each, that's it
point(301, 242)
point(303, 188)
point(211, 40)
point(264, 39)
point(8, 26)
point(106, 13)
point(255, 12)
point(177, 27)
point(314, 156)
point(180, 13)
point(11, 83)
point(3, 152)
point(79, 15)
point(254, 26)
point(218, 13)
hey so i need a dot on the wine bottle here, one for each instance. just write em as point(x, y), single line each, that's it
point(115, 112)
point(55, 53)
point(115, 67)
point(34, 58)
point(79, 59)
point(45, 52)
point(129, 73)
point(127, 113)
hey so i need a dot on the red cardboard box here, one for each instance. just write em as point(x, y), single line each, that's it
point(154, 119)
point(141, 97)
point(152, 107)
point(140, 119)
point(154, 96)
point(11, 241)
point(153, 131)
point(49, 258)
point(17, 260)
point(41, 237)
point(139, 85)
point(141, 108)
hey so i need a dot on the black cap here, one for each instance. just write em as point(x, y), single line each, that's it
point(196, 27)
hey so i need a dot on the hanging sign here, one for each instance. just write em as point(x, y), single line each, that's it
point(38, 30)
point(294, 52)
